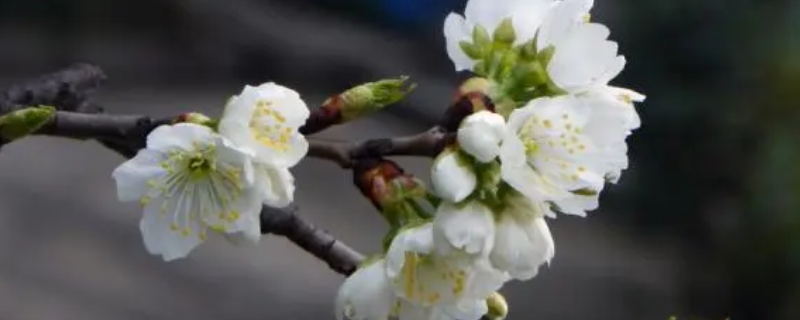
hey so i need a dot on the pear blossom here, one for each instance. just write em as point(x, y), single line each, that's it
point(367, 294)
point(189, 180)
point(523, 241)
point(452, 177)
point(480, 135)
point(467, 228)
point(525, 15)
point(455, 285)
point(266, 119)
point(561, 149)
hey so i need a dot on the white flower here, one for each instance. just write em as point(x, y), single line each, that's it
point(480, 135)
point(583, 57)
point(366, 295)
point(189, 180)
point(468, 228)
point(558, 147)
point(523, 240)
point(452, 177)
point(421, 276)
point(266, 119)
point(525, 15)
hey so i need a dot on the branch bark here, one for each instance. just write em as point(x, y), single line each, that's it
point(346, 154)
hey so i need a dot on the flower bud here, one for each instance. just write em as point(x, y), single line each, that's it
point(452, 177)
point(498, 307)
point(505, 32)
point(22, 122)
point(370, 97)
point(480, 135)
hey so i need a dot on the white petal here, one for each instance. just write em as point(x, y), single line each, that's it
point(180, 136)
point(276, 184)
point(160, 239)
point(455, 31)
point(417, 239)
point(365, 295)
point(248, 205)
point(469, 228)
point(464, 310)
point(522, 246)
point(452, 180)
point(487, 13)
point(480, 135)
point(133, 175)
point(578, 205)
point(564, 16)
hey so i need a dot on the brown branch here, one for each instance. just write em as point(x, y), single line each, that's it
point(346, 154)
point(285, 222)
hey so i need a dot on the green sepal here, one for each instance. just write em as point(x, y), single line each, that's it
point(370, 97)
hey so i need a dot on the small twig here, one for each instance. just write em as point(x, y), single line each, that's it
point(285, 222)
point(426, 144)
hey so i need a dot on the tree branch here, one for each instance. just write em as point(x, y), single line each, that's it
point(346, 154)
point(65, 90)
point(285, 222)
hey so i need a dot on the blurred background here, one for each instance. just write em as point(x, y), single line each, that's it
point(705, 224)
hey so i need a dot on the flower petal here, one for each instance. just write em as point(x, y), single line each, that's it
point(469, 228)
point(179, 136)
point(522, 246)
point(132, 176)
point(455, 31)
point(365, 295)
point(161, 238)
point(276, 184)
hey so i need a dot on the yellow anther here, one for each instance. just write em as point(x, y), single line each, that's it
point(174, 227)
point(548, 124)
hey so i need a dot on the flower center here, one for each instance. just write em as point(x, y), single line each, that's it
point(269, 128)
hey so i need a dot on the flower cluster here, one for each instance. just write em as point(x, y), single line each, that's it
point(554, 137)
point(197, 179)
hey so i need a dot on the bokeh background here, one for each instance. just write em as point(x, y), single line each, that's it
point(705, 224)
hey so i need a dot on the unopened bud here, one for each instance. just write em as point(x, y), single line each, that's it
point(370, 97)
point(480, 37)
point(388, 187)
point(498, 307)
point(471, 50)
point(505, 32)
point(22, 122)
point(197, 118)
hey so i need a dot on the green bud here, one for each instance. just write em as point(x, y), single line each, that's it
point(198, 118)
point(471, 50)
point(481, 69)
point(480, 38)
point(528, 50)
point(505, 32)
point(370, 97)
point(22, 122)
point(546, 54)
point(498, 307)
point(531, 74)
